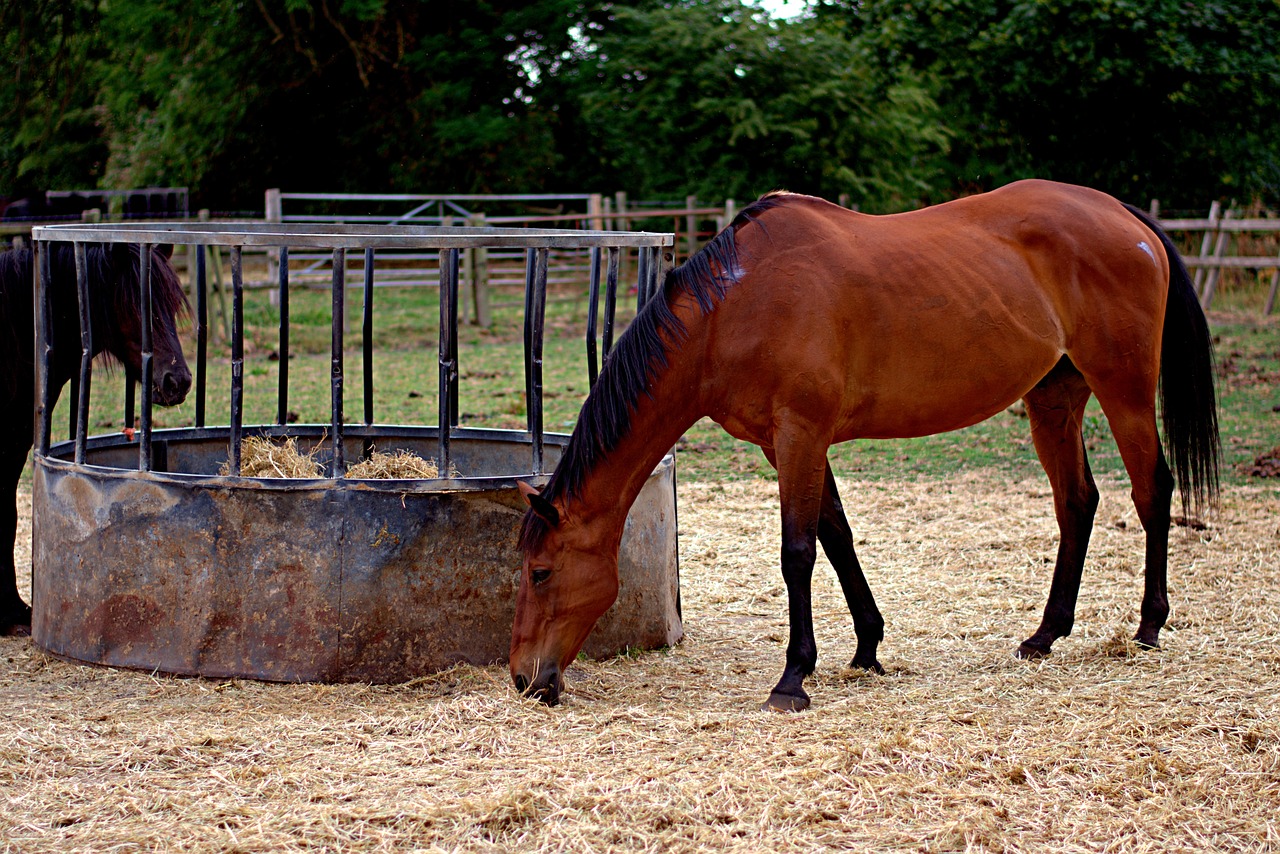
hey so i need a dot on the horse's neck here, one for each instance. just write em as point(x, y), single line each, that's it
point(658, 420)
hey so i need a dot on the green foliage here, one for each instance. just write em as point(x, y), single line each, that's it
point(179, 80)
point(1140, 98)
point(715, 99)
point(51, 135)
point(891, 103)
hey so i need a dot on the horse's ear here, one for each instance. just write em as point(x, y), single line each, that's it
point(539, 505)
point(165, 250)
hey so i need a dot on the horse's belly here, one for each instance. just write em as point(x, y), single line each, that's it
point(936, 395)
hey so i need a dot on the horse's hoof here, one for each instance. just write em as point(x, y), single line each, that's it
point(16, 621)
point(785, 703)
point(873, 666)
point(1146, 643)
point(16, 630)
point(1029, 651)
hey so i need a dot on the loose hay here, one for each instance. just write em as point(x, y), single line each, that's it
point(280, 458)
point(397, 465)
point(959, 747)
point(264, 457)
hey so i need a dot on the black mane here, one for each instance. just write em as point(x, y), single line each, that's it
point(639, 356)
point(113, 273)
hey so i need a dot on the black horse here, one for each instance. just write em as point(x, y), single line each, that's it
point(116, 324)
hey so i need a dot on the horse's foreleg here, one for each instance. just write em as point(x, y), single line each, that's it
point(1055, 408)
point(837, 541)
point(800, 462)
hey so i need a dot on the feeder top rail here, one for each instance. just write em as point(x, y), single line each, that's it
point(333, 236)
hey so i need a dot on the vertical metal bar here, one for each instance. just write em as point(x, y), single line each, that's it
point(202, 330)
point(593, 308)
point(610, 301)
point(530, 261)
point(535, 386)
point(642, 278)
point(80, 412)
point(144, 312)
point(282, 390)
point(237, 361)
point(130, 401)
point(454, 279)
point(448, 353)
point(44, 406)
point(367, 337)
point(655, 267)
point(335, 379)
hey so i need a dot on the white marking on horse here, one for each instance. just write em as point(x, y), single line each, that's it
point(1142, 244)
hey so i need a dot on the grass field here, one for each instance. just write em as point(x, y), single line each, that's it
point(406, 379)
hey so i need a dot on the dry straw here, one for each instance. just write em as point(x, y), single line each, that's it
point(281, 458)
point(958, 747)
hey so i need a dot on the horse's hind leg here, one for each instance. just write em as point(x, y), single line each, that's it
point(1055, 408)
point(837, 542)
point(1137, 438)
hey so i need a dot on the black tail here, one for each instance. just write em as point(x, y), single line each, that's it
point(1188, 406)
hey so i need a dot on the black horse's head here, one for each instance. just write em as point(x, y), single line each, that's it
point(119, 316)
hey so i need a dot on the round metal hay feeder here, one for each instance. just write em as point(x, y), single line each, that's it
point(145, 556)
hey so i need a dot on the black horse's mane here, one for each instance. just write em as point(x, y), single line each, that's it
point(113, 274)
point(639, 356)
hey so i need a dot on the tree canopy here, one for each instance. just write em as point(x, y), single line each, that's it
point(893, 104)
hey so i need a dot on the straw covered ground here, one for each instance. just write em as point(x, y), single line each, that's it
point(957, 747)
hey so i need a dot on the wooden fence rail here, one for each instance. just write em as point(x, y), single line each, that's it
point(1219, 232)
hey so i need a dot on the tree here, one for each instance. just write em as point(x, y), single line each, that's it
point(51, 136)
point(1140, 98)
point(711, 97)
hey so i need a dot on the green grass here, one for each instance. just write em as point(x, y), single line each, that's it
point(492, 390)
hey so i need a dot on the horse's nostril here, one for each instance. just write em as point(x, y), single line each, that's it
point(522, 684)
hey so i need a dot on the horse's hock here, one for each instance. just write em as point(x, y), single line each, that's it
point(153, 551)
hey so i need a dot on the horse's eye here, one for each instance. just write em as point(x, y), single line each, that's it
point(540, 576)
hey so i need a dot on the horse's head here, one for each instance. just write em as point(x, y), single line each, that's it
point(569, 579)
point(170, 378)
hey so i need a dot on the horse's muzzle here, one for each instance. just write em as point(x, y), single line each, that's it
point(171, 387)
point(545, 687)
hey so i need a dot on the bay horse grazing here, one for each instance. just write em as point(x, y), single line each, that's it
point(803, 324)
point(116, 324)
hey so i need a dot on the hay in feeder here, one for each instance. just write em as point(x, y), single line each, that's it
point(264, 457)
point(397, 465)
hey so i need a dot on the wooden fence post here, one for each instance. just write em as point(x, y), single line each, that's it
point(1215, 216)
point(478, 283)
point(273, 211)
point(1215, 273)
point(219, 291)
point(691, 226)
point(595, 212)
point(730, 211)
point(1275, 282)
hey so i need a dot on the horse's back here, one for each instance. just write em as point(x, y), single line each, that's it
point(927, 321)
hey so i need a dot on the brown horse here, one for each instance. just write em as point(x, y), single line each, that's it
point(115, 319)
point(804, 324)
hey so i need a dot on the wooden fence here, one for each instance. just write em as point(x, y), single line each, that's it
point(1222, 237)
point(489, 277)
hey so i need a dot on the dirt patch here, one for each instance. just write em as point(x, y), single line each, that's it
point(1265, 465)
point(958, 746)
